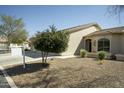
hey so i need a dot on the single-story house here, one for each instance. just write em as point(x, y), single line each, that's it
point(92, 38)
point(3, 45)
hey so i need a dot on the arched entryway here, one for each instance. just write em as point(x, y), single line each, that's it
point(88, 45)
point(104, 44)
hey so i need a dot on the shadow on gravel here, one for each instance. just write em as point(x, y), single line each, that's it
point(17, 70)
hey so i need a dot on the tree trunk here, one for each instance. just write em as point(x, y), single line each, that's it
point(8, 44)
point(42, 56)
point(46, 57)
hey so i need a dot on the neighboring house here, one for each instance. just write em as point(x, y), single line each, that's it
point(26, 45)
point(4, 46)
point(3, 43)
point(92, 38)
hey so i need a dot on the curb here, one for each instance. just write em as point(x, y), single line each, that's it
point(8, 78)
point(60, 57)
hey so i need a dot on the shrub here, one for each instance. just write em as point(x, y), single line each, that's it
point(50, 41)
point(83, 52)
point(101, 55)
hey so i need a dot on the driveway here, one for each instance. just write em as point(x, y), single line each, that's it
point(7, 59)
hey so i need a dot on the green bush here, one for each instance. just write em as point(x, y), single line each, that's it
point(83, 52)
point(101, 55)
point(50, 41)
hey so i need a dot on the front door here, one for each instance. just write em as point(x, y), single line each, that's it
point(88, 45)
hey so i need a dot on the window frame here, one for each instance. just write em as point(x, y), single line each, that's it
point(105, 45)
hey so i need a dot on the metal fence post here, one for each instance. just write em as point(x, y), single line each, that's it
point(23, 52)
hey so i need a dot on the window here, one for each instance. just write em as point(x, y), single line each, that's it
point(103, 45)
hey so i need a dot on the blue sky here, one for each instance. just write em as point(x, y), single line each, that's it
point(38, 18)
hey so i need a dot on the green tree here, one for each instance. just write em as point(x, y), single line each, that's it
point(50, 40)
point(13, 29)
point(18, 37)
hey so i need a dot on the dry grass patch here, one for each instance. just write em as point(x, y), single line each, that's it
point(71, 72)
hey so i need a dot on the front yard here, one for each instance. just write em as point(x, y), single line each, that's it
point(71, 72)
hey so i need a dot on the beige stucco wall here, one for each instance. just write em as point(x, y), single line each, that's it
point(122, 44)
point(116, 44)
point(76, 40)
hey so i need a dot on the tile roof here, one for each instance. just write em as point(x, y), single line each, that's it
point(115, 30)
point(80, 27)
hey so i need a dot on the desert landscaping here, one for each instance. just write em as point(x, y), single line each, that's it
point(69, 73)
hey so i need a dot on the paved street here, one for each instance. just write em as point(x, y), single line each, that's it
point(3, 81)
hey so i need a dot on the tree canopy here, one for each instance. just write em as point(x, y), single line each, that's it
point(18, 37)
point(13, 29)
point(51, 40)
